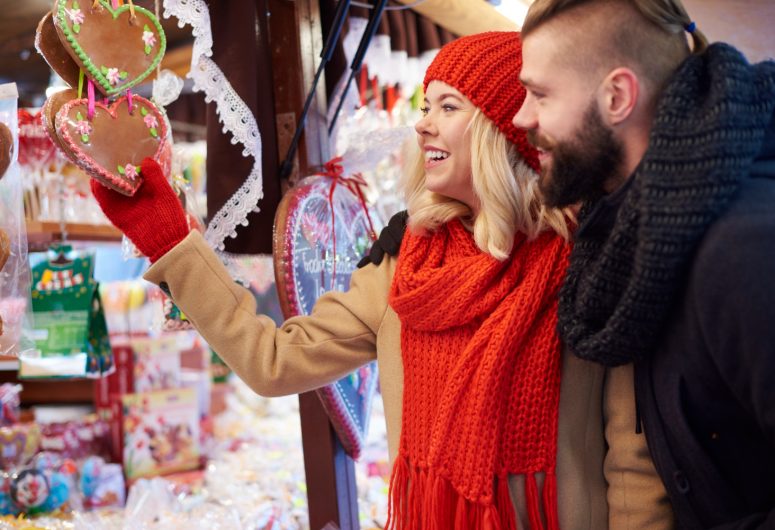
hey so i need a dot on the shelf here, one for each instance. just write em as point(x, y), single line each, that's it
point(41, 234)
point(40, 391)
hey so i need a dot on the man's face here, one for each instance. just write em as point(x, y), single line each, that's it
point(580, 166)
point(577, 150)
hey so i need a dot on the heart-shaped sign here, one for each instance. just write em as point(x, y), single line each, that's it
point(50, 47)
point(113, 143)
point(116, 48)
point(6, 148)
point(306, 267)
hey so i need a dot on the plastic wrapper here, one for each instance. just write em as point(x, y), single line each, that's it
point(15, 313)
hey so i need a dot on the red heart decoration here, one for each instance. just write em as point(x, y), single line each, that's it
point(113, 143)
point(35, 147)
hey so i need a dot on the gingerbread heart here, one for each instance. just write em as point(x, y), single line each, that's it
point(6, 148)
point(50, 47)
point(111, 146)
point(49, 112)
point(115, 48)
point(5, 248)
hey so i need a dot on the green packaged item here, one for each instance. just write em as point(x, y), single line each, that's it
point(71, 336)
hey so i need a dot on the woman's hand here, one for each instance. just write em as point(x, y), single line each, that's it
point(152, 218)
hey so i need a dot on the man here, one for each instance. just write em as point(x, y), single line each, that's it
point(671, 150)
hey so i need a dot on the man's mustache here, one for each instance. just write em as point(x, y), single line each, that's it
point(538, 141)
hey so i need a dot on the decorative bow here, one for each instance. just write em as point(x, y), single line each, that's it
point(334, 170)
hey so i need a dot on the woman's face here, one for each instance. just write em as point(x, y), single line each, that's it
point(445, 141)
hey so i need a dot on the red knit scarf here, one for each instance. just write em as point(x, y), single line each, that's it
point(481, 363)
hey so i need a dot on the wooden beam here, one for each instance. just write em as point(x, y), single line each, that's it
point(464, 17)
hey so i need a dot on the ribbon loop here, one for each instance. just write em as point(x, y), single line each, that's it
point(334, 170)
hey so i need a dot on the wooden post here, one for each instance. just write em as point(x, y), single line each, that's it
point(296, 41)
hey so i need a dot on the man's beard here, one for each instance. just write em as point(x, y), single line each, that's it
point(582, 166)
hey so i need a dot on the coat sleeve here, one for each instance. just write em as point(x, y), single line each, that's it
point(304, 353)
point(637, 499)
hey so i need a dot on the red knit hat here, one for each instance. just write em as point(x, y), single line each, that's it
point(485, 68)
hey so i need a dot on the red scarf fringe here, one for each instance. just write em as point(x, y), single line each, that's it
point(420, 499)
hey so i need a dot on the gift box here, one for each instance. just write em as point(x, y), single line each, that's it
point(160, 433)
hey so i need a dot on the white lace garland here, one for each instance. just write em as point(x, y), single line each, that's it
point(232, 111)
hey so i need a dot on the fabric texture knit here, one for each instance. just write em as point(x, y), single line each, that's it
point(485, 68)
point(153, 219)
point(481, 380)
point(624, 278)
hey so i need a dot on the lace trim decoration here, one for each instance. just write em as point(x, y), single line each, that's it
point(232, 111)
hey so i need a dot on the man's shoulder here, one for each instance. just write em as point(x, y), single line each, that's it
point(740, 245)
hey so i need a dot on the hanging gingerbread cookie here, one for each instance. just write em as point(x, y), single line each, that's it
point(111, 143)
point(6, 148)
point(115, 47)
point(48, 44)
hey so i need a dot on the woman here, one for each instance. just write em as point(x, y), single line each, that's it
point(462, 322)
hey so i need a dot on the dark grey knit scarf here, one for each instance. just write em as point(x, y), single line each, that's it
point(623, 279)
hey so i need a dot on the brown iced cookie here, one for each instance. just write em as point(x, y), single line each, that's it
point(50, 47)
point(6, 148)
point(114, 48)
point(112, 144)
point(49, 111)
point(5, 248)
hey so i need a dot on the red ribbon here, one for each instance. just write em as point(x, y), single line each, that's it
point(354, 183)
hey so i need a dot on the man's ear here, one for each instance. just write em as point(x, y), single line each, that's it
point(618, 95)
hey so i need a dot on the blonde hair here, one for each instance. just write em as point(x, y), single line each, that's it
point(649, 35)
point(506, 187)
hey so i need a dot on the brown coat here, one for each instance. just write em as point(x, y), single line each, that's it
point(347, 330)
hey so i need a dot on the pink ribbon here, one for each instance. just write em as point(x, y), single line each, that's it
point(90, 96)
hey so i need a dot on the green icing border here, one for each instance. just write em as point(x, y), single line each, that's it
point(92, 69)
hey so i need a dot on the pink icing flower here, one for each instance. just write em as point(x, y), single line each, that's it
point(130, 171)
point(82, 127)
point(113, 76)
point(150, 121)
point(149, 38)
point(76, 16)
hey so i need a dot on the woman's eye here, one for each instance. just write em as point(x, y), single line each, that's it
point(448, 108)
point(424, 110)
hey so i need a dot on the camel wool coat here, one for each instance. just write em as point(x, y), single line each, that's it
point(599, 487)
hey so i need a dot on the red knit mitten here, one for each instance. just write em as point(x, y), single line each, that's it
point(152, 218)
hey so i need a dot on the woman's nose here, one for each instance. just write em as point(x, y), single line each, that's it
point(425, 126)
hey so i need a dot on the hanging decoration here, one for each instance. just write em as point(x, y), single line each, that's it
point(232, 112)
point(117, 47)
point(322, 229)
point(112, 144)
